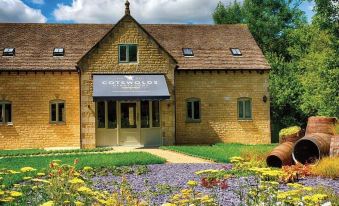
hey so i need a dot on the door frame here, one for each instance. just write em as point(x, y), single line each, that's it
point(138, 122)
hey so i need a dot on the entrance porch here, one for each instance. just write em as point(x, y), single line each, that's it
point(128, 123)
point(128, 109)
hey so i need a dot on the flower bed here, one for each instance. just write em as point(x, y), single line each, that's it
point(239, 183)
point(176, 176)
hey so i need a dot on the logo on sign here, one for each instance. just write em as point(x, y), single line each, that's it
point(130, 82)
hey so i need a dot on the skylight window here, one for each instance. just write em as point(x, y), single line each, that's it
point(236, 52)
point(58, 52)
point(188, 52)
point(9, 52)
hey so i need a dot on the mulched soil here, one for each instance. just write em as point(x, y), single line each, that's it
point(177, 175)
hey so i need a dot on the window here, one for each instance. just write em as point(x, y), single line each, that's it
point(8, 52)
point(101, 108)
point(236, 52)
point(128, 53)
point(193, 110)
point(145, 115)
point(188, 52)
point(155, 114)
point(107, 114)
point(244, 108)
point(112, 114)
point(58, 52)
point(5, 112)
point(58, 114)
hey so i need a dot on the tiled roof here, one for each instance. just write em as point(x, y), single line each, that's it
point(34, 44)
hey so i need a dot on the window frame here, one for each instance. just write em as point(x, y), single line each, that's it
point(7, 53)
point(187, 55)
point(3, 112)
point(106, 115)
point(192, 100)
point(57, 53)
point(236, 54)
point(244, 99)
point(127, 54)
point(57, 102)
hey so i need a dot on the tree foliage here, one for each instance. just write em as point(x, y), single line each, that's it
point(231, 14)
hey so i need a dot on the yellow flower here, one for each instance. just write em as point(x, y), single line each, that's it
point(78, 203)
point(7, 199)
point(192, 183)
point(2, 192)
point(294, 185)
point(85, 190)
point(49, 203)
point(41, 174)
point(87, 168)
point(206, 199)
point(34, 187)
point(13, 172)
point(76, 181)
point(27, 178)
point(168, 204)
point(15, 194)
point(27, 169)
point(40, 180)
point(57, 161)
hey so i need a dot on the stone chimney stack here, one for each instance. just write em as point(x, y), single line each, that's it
point(127, 11)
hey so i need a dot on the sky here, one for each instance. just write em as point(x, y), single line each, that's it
point(110, 11)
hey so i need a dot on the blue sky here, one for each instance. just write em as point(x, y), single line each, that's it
point(109, 11)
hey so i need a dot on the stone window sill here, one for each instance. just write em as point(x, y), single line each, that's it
point(193, 121)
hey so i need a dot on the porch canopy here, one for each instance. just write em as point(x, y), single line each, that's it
point(129, 87)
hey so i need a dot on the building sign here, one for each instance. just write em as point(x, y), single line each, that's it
point(129, 87)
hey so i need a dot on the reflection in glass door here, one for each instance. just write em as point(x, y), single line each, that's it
point(128, 115)
point(129, 132)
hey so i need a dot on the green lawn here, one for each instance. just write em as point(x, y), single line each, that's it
point(93, 160)
point(220, 152)
point(22, 152)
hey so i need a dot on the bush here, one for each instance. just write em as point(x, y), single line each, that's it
point(327, 167)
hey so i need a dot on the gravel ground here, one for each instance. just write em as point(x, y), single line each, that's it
point(177, 175)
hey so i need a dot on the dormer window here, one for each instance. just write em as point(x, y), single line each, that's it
point(236, 52)
point(9, 52)
point(57, 52)
point(188, 52)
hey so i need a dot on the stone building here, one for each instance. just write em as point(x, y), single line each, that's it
point(93, 85)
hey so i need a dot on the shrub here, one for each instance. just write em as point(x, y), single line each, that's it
point(327, 167)
point(255, 155)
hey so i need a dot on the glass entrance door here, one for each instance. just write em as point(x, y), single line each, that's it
point(129, 124)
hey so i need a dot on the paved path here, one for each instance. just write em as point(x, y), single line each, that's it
point(170, 156)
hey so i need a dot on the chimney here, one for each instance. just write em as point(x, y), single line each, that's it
point(127, 11)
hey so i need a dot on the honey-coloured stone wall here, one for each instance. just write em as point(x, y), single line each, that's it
point(30, 94)
point(218, 92)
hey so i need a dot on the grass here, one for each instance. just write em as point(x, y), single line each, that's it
point(23, 152)
point(222, 152)
point(93, 160)
point(327, 167)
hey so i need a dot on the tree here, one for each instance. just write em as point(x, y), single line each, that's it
point(268, 20)
point(232, 14)
point(314, 55)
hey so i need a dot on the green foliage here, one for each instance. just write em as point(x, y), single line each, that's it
point(25, 152)
point(289, 131)
point(317, 60)
point(218, 152)
point(92, 160)
point(231, 14)
point(267, 20)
